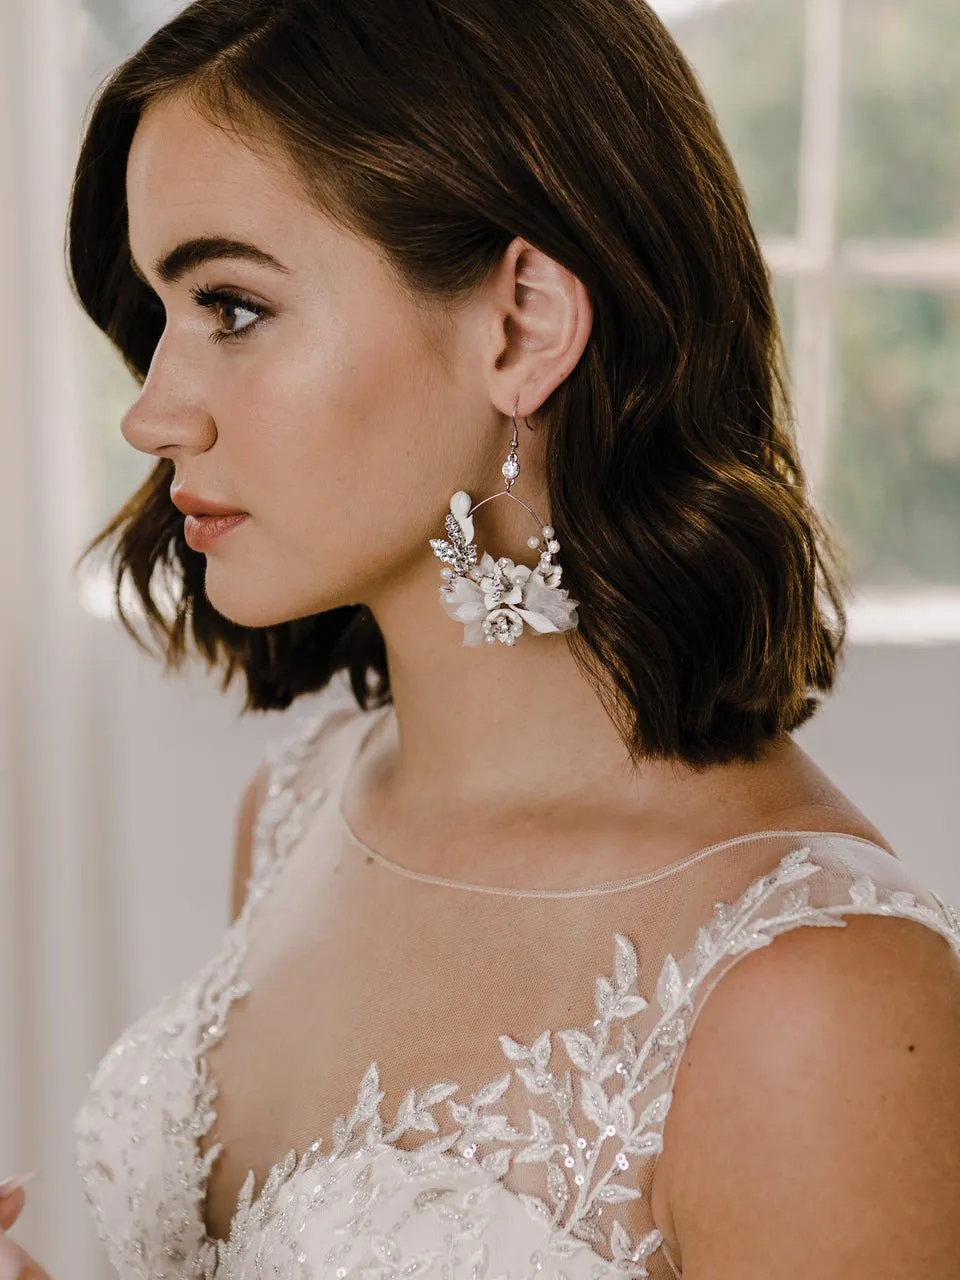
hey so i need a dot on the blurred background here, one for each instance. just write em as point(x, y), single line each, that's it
point(119, 786)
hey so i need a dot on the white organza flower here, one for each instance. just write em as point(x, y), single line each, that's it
point(526, 596)
point(547, 607)
point(463, 601)
point(494, 576)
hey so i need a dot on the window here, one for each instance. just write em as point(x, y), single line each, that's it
point(842, 116)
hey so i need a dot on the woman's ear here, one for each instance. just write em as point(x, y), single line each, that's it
point(542, 321)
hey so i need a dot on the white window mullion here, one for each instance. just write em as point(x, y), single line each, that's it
point(814, 316)
point(918, 264)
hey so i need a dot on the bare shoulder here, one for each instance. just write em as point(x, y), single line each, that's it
point(841, 816)
point(815, 1124)
point(251, 800)
point(794, 793)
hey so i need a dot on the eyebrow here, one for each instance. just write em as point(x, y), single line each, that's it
point(190, 254)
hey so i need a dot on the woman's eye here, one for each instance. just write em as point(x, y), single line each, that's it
point(230, 309)
point(233, 309)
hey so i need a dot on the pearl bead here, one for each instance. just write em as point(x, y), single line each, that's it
point(553, 546)
point(548, 530)
point(446, 573)
point(533, 541)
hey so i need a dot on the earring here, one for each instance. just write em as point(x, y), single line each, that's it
point(493, 599)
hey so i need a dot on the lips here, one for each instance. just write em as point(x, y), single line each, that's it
point(201, 532)
point(192, 505)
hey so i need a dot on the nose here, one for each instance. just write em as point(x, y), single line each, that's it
point(170, 414)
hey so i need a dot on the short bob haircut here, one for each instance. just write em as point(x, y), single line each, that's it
point(441, 130)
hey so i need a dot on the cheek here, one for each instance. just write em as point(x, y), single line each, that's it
point(333, 448)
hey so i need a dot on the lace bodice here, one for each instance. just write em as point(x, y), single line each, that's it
point(380, 1074)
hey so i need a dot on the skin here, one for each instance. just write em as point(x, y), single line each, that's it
point(11, 1207)
point(815, 1125)
point(342, 424)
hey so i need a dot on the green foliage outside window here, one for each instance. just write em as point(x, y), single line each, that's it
point(893, 468)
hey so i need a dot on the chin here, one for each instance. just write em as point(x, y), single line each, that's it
point(257, 608)
point(244, 613)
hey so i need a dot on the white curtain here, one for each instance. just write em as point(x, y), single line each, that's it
point(118, 784)
point(55, 908)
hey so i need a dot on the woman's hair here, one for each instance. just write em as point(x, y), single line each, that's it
point(441, 130)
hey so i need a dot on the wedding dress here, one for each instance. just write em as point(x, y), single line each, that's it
point(382, 1074)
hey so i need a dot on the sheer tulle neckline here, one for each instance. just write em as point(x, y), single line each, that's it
point(355, 754)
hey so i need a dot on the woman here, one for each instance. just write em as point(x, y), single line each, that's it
point(374, 264)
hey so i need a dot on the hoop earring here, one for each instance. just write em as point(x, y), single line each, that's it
point(493, 599)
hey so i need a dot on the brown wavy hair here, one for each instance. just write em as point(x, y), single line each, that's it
point(442, 129)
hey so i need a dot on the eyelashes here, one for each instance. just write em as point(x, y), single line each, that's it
point(230, 301)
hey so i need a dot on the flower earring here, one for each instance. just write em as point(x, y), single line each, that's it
point(493, 599)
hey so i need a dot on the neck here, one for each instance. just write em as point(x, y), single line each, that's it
point(512, 730)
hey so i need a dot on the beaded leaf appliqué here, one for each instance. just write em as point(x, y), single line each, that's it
point(576, 1193)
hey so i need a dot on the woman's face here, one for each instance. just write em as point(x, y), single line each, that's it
point(342, 419)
